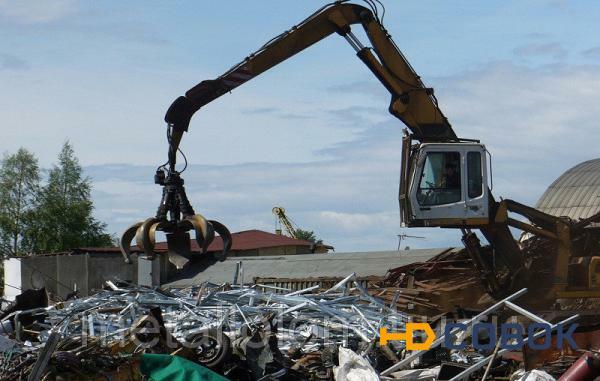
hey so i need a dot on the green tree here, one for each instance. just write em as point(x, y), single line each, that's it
point(64, 217)
point(19, 186)
point(308, 235)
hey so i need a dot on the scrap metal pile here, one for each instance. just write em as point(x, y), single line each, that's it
point(235, 330)
point(241, 332)
point(435, 287)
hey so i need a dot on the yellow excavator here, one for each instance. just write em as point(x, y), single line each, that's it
point(445, 180)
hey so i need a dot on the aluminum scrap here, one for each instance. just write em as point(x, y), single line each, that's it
point(330, 317)
point(305, 320)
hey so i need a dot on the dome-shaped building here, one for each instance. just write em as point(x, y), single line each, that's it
point(575, 194)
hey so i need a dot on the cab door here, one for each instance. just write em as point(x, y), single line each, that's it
point(448, 186)
point(475, 188)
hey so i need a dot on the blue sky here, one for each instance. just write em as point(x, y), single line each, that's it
point(313, 134)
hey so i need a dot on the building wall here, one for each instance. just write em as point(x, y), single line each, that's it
point(243, 253)
point(306, 269)
point(108, 266)
point(62, 274)
point(38, 272)
point(151, 272)
point(71, 274)
point(284, 250)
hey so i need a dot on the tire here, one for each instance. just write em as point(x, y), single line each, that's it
point(211, 347)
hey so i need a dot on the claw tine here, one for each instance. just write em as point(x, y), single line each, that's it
point(188, 224)
point(152, 232)
point(198, 221)
point(205, 233)
point(225, 236)
point(209, 237)
point(145, 236)
point(138, 237)
point(125, 241)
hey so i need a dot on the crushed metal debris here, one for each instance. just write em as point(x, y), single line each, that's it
point(246, 333)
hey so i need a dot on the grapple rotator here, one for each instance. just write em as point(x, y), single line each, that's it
point(175, 216)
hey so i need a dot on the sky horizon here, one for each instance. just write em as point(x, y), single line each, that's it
point(313, 134)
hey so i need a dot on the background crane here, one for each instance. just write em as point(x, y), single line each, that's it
point(284, 221)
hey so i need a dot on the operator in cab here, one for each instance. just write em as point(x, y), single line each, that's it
point(451, 179)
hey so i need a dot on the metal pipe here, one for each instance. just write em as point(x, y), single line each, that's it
point(341, 283)
point(587, 367)
point(487, 369)
point(525, 313)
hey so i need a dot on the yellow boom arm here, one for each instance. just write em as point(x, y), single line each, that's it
point(412, 102)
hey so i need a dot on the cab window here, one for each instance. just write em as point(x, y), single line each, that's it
point(440, 180)
point(474, 175)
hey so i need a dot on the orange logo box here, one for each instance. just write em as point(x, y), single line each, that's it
point(408, 336)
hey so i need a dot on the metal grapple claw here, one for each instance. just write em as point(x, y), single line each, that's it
point(178, 238)
point(175, 216)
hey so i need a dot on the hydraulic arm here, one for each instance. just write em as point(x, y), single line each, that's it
point(411, 102)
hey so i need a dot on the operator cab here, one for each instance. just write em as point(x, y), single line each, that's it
point(445, 184)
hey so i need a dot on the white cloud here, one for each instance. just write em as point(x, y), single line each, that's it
point(536, 122)
point(36, 11)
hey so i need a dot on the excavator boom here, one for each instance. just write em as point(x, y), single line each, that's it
point(412, 102)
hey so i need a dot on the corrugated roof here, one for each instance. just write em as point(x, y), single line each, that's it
point(303, 266)
point(575, 194)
